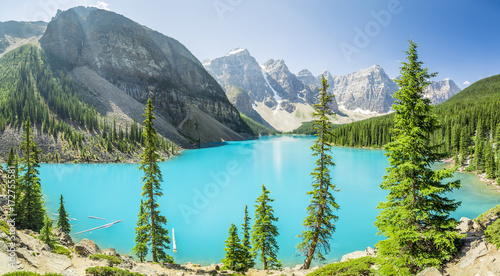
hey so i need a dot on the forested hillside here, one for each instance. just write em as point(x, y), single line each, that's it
point(476, 107)
point(71, 129)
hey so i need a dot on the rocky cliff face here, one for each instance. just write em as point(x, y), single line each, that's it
point(440, 91)
point(368, 89)
point(139, 61)
point(271, 86)
point(14, 34)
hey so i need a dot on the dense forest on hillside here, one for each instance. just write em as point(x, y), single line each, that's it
point(476, 107)
point(30, 88)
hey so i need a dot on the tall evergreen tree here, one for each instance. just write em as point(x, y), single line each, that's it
point(157, 234)
point(13, 162)
point(415, 216)
point(46, 231)
point(248, 258)
point(234, 258)
point(479, 155)
point(264, 232)
point(63, 218)
point(490, 165)
point(319, 223)
point(497, 135)
point(141, 235)
point(32, 213)
point(464, 145)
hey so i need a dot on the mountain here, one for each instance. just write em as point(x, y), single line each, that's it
point(268, 93)
point(370, 90)
point(367, 89)
point(440, 91)
point(14, 34)
point(460, 117)
point(98, 46)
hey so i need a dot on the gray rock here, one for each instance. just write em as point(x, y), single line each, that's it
point(69, 272)
point(370, 251)
point(56, 262)
point(28, 256)
point(145, 270)
point(477, 249)
point(354, 255)
point(430, 271)
point(465, 225)
point(297, 267)
point(86, 248)
point(110, 252)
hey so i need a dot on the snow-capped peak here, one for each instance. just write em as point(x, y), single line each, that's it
point(235, 51)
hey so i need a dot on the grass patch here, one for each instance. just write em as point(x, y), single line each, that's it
point(59, 249)
point(112, 259)
point(109, 271)
point(361, 266)
point(492, 233)
point(484, 217)
point(4, 227)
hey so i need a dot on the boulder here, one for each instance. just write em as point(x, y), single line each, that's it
point(145, 270)
point(55, 262)
point(477, 249)
point(110, 252)
point(126, 263)
point(370, 251)
point(465, 225)
point(430, 271)
point(86, 248)
point(64, 238)
point(354, 255)
point(28, 256)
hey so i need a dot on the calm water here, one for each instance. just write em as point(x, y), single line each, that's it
point(207, 189)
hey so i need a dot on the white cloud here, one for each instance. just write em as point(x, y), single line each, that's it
point(466, 83)
point(101, 5)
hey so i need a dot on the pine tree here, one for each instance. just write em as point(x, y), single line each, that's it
point(464, 145)
point(46, 231)
point(415, 216)
point(12, 162)
point(157, 234)
point(497, 135)
point(490, 165)
point(141, 235)
point(234, 259)
point(32, 212)
point(319, 224)
point(248, 258)
point(264, 232)
point(479, 155)
point(63, 218)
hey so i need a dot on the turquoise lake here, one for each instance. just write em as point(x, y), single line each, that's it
point(207, 189)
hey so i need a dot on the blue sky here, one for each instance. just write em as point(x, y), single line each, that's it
point(459, 39)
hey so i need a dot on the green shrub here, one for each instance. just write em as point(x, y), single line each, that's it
point(29, 273)
point(492, 233)
point(4, 227)
point(484, 217)
point(112, 259)
point(58, 249)
point(361, 266)
point(109, 271)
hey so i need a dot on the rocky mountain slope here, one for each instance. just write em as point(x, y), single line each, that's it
point(283, 100)
point(143, 64)
point(14, 34)
point(277, 97)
